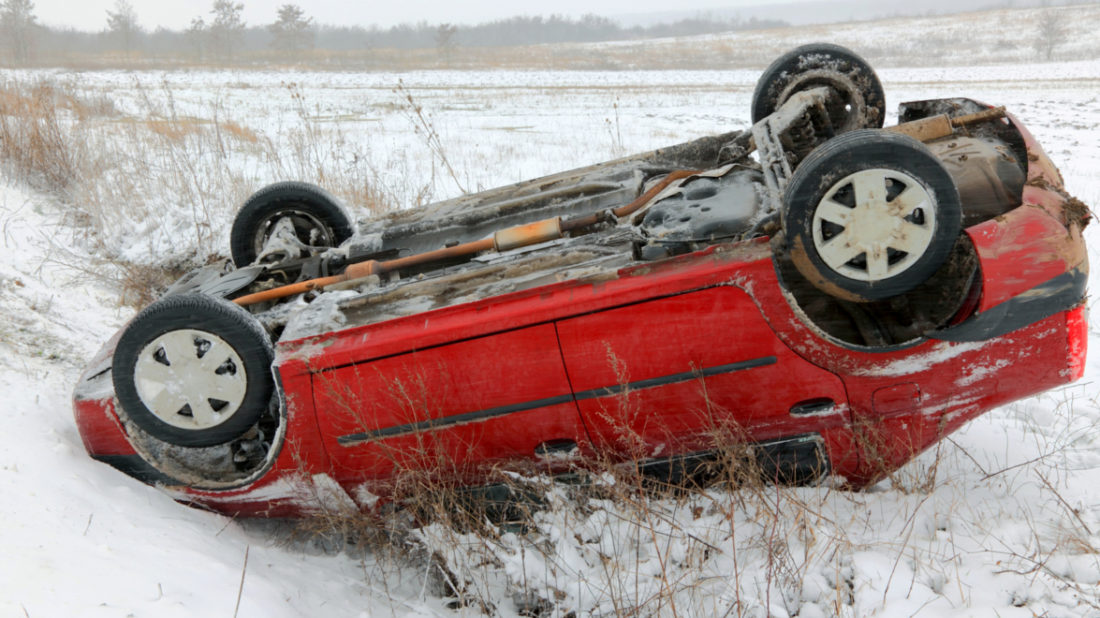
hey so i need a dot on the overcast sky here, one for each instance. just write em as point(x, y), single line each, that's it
point(91, 15)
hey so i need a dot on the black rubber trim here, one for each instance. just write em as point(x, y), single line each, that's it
point(596, 393)
point(794, 460)
point(1042, 301)
point(797, 460)
point(480, 415)
point(135, 466)
point(457, 419)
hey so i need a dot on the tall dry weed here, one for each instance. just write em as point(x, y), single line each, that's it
point(158, 188)
point(36, 137)
point(608, 537)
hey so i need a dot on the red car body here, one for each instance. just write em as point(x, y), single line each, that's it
point(647, 363)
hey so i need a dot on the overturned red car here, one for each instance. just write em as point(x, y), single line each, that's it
point(831, 295)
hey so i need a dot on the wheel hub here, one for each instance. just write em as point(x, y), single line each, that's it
point(190, 379)
point(292, 233)
point(845, 104)
point(874, 224)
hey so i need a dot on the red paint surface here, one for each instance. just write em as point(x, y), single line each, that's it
point(480, 374)
point(1021, 250)
point(687, 333)
point(99, 428)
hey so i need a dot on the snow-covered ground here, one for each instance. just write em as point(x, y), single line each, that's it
point(1010, 525)
point(1005, 35)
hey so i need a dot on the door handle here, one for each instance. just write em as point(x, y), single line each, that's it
point(813, 407)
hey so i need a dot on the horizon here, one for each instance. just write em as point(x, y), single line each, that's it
point(91, 16)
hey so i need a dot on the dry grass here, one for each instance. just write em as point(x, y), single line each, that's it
point(158, 186)
point(34, 139)
point(176, 130)
point(607, 541)
point(610, 541)
point(604, 538)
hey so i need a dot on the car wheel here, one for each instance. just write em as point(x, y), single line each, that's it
point(307, 218)
point(193, 370)
point(870, 215)
point(860, 101)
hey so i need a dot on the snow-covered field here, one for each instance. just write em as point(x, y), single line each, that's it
point(1003, 519)
point(1005, 35)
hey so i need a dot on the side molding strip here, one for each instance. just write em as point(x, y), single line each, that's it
point(596, 393)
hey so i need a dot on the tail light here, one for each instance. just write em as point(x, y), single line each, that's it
point(1077, 328)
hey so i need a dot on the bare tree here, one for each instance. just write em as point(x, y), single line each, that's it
point(227, 27)
point(293, 31)
point(1051, 32)
point(196, 36)
point(445, 40)
point(122, 24)
point(17, 22)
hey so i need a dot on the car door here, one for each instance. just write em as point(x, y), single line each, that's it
point(451, 411)
point(679, 374)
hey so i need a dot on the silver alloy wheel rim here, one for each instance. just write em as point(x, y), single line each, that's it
point(891, 235)
point(190, 379)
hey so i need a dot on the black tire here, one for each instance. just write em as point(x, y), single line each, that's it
point(320, 221)
point(193, 403)
point(860, 244)
point(860, 103)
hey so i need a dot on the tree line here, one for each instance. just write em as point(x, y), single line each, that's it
point(221, 34)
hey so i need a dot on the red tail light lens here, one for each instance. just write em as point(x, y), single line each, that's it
point(1077, 327)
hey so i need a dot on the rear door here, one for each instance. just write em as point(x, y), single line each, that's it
point(679, 374)
point(456, 410)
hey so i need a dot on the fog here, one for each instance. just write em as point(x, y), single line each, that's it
point(91, 15)
point(177, 14)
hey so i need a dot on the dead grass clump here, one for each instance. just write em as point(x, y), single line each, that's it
point(141, 284)
point(36, 138)
point(88, 108)
point(156, 189)
point(611, 542)
point(605, 536)
point(174, 129)
point(318, 150)
point(239, 132)
point(424, 126)
point(622, 534)
point(627, 535)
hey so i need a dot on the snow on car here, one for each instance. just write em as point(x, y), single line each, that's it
point(833, 296)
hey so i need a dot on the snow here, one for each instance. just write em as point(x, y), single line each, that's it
point(998, 36)
point(1001, 519)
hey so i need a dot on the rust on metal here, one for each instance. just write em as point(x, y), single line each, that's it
point(419, 259)
point(925, 129)
point(992, 113)
point(503, 240)
point(935, 127)
point(530, 234)
point(629, 209)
